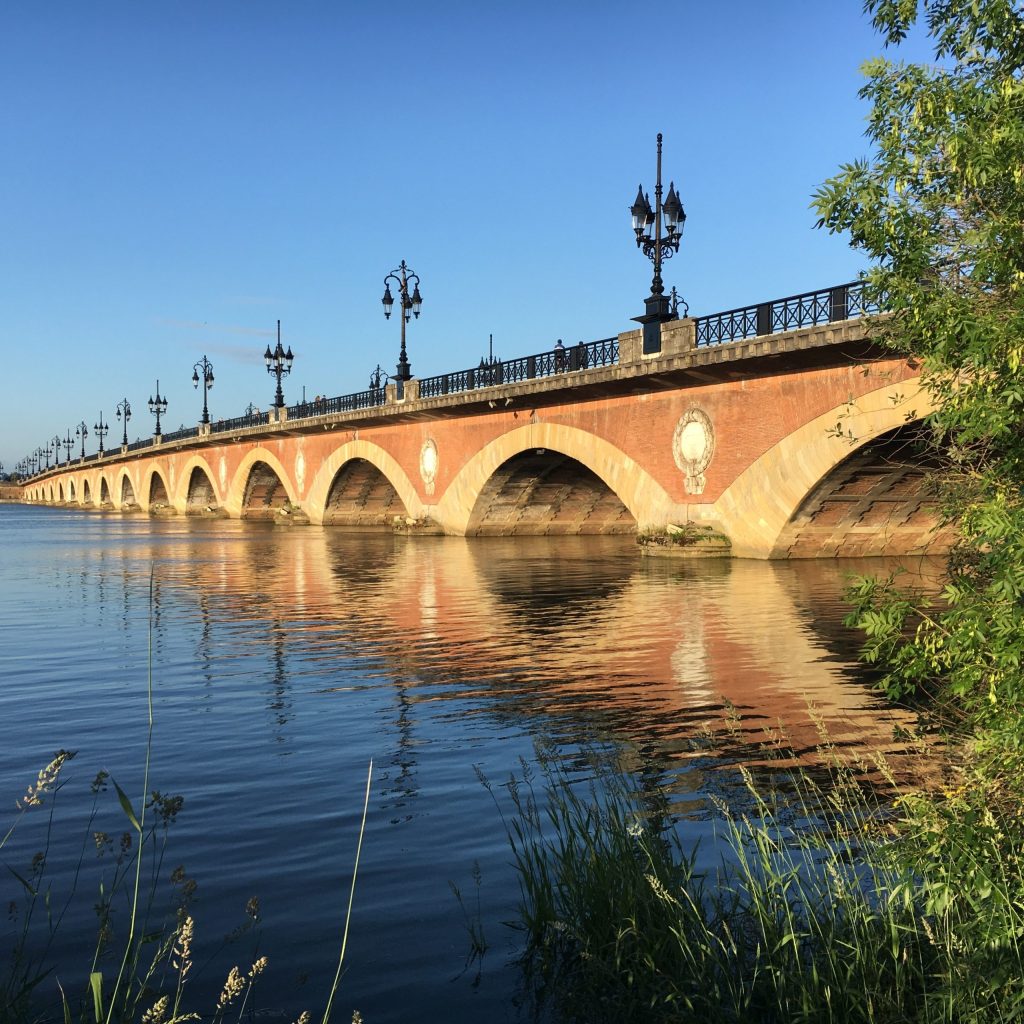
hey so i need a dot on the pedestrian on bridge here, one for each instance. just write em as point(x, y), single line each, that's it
point(559, 356)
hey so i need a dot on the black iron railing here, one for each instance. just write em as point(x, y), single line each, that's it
point(332, 406)
point(511, 371)
point(136, 445)
point(180, 435)
point(829, 305)
point(251, 419)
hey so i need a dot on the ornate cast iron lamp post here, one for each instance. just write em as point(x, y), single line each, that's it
point(82, 431)
point(68, 443)
point(44, 453)
point(56, 443)
point(157, 406)
point(279, 364)
point(410, 307)
point(658, 233)
point(377, 380)
point(203, 371)
point(101, 429)
point(124, 409)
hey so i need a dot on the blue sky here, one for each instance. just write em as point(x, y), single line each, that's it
point(177, 177)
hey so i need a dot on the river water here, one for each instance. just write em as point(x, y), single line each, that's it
point(284, 660)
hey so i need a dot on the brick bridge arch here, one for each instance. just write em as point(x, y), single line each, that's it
point(125, 494)
point(235, 500)
point(643, 497)
point(184, 481)
point(755, 510)
point(155, 490)
point(381, 460)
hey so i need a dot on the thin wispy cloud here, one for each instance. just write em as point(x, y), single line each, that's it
point(204, 325)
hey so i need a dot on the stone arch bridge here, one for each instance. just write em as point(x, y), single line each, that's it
point(793, 443)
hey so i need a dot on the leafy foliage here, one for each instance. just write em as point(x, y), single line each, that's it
point(939, 209)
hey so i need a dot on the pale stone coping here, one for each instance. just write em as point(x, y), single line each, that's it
point(642, 495)
point(232, 500)
point(756, 507)
point(315, 502)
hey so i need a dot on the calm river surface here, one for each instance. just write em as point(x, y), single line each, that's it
point(284, 660)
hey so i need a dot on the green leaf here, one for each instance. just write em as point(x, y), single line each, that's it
point(96, 984)
point(126, 806)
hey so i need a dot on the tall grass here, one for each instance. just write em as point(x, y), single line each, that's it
point(829, 906)
point(151, 951)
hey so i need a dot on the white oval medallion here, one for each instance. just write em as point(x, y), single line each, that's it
point(693, 444)
point(428, 464)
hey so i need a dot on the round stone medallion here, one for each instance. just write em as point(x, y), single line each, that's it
point(428, 464)
point(693, 445)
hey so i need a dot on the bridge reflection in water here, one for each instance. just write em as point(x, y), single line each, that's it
point(581, 631)
point(285, 659)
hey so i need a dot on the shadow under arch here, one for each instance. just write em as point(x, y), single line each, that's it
point(125, 490)
point(197, 491)
point(878, 501)
point(104, 488)
point(86, 493)
point(361, 496)
point(155, 490)
point(642, 497)
point(762, 501)
point(71, 490)
point(255, 492)
point(544, 492)
point(377, 458)
point(60, 492)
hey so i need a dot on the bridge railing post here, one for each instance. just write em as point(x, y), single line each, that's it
point(764, 319)
point(838, 303)
point(412, 390)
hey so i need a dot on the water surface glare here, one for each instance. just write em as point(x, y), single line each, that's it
point(284, 659)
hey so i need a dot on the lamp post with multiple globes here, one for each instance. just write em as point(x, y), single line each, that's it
point(279, 364)
point(409, 306)
point(658, 232)
point(157, 406)
point(202, 373)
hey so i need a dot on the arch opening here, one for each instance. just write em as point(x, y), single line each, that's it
point(86, 492)
point(127, 493)
point(158, 497)
point(105, 492)
point(265, 494)
point(540, 492)
point(60, 492)
point(201, 497)
point(880, 500)
point(71, 490)
point(362, 497)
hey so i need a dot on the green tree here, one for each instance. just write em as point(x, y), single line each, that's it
point(939, 209)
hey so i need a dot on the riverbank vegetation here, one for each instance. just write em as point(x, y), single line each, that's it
point(834, 902)
point(144, 965)
point(148, 954)
point(838, 910)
